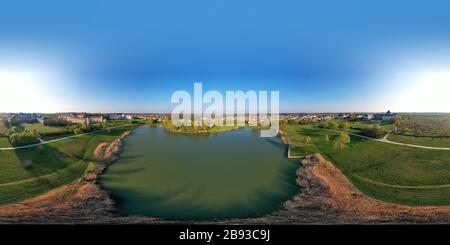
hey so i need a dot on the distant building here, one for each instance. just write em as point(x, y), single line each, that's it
point(42, 119)
point(116, 116)
point(22, 117)
point(95, 119)
point(367, 117)
point(76, 118)
point(82, 118)
point(120, 116)
point(388, 116)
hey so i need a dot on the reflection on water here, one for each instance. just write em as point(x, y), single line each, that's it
point(233, 174)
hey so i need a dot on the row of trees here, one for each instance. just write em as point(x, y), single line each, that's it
point(423, 125)
point(374, 131)
point(340, 142)
point(25, 137)
point(335, 125)
point(20, 137)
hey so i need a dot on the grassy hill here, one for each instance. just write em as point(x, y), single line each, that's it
point(391, 173)
point(42, 129)
point(26, 173)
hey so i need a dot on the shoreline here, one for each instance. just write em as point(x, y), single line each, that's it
point(325, 196)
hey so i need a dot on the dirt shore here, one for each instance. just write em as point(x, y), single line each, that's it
point(325, 197)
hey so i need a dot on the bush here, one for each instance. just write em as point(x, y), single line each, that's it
point(23, 138)
point(331, 124)
point(344, 126)
point(375, 131)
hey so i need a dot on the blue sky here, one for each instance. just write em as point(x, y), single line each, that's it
point(131, 55)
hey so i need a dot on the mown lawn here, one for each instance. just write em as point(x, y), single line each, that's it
point(425, 141)
point(391, 173)
point(4, 142)
point(26, 173)
point(42, 129)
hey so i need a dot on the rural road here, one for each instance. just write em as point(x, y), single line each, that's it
point(55, 140)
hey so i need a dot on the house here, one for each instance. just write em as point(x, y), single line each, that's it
point(367, 117)
point(388, 116)
point(82, 118)
point(95, 119)
point(120, 117)
point(22, 117)
point(76, 118)
point(116, 116)
point(42, 119)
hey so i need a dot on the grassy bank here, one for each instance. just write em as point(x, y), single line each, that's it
point(41, 129)
point(391, 173)
point(29, 172)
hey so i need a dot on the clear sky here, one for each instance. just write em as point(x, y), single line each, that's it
point(108, 56)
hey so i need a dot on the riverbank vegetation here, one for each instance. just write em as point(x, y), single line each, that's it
point(392, 173)
point(204, 129)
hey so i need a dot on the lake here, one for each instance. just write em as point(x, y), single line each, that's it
point(234, 174)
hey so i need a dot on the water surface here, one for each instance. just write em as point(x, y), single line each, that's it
point(233, 174)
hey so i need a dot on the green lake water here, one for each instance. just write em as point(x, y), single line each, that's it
point(235, 174)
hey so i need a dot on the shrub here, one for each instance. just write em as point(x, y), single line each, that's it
point(307, 140)
point(331, 124)
point(375, 131)
point(342, 141)
point(56, 122)
point(344, 126)
point(23, 138)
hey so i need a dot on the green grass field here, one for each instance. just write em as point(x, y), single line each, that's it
point(4, 142)
point(26, 173)
point(385, 125)
point(42, 129)
point(425, 141)
point(391, 173)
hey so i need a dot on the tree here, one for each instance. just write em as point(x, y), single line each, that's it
point(13, 130)
point(77, 131)
point(342, 141)
point(375, 131)
point(307, 140)
point(331, 124)
point(344, 126)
